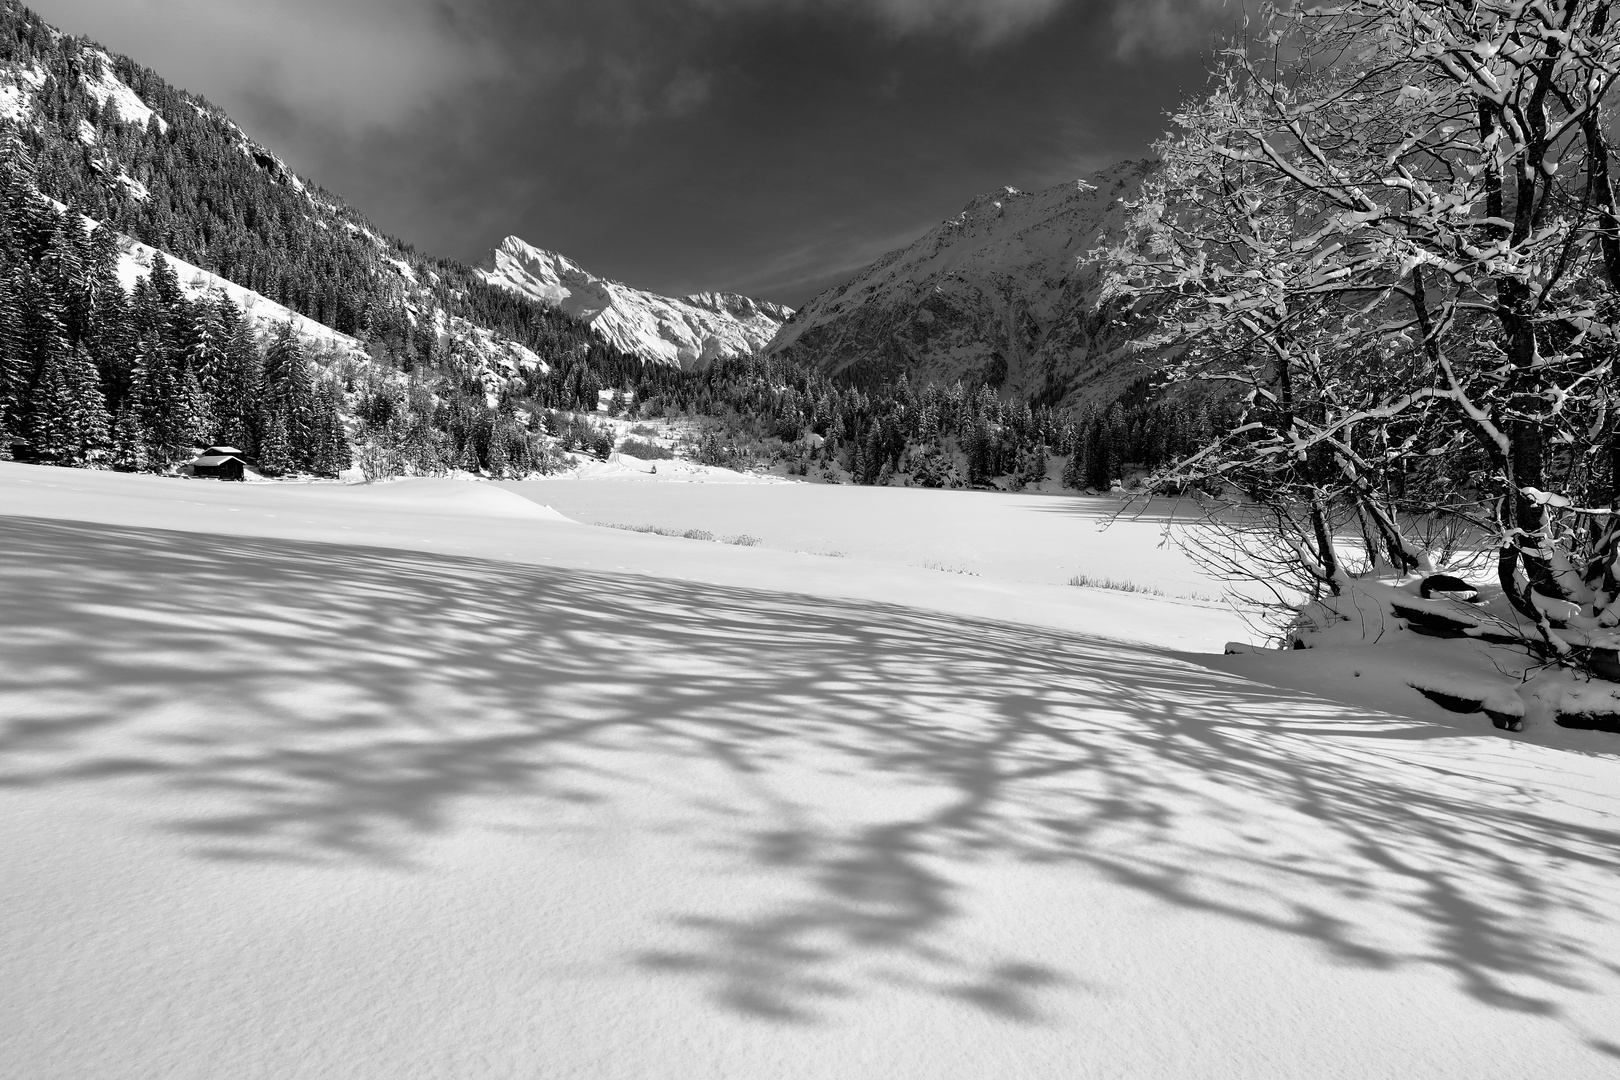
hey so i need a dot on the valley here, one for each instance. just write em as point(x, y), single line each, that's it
point(1157, 624)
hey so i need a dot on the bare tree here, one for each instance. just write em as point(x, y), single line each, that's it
point(1391, 223)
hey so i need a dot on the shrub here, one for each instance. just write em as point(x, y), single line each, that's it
point(646, 451)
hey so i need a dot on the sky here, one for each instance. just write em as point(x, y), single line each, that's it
point(768, 147)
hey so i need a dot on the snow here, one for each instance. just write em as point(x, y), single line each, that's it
point(134, 187)
point(420, 780)
point(683, 331)
point(265, 315)
point(1040, 539)
point(669, 471)
point(115, 96)
point(18, 85)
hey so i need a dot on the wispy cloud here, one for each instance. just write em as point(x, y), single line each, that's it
point(983, 22)
point(350, 63)
point(1169, 27)
point(627, 93)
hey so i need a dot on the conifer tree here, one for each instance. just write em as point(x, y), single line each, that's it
point(238, 387)
point(275, 450)
point(155, 392)
point(289, 392)
point(1074, 471)
point(498, 460)
point(129, 441)
point(14, 362)
point(331, 453)
point(195, 421)
point(69, 416)
point(169, 300)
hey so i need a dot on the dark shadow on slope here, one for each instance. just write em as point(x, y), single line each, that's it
point(430, 681)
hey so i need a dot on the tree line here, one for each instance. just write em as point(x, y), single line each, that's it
point(771, 409)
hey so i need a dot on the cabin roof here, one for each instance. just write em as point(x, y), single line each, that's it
point(208, 461)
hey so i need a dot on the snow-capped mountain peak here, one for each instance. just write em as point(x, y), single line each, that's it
point(680, 331)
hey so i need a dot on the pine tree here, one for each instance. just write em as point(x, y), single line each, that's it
point(1074, 471)
point(129, 443)
point(68, 422)
point(238, 387)
point(155, 392)
point(498, 460)
point(195, 423)
point(14, 361)
point(170, 300)
point(332, 454)
point(275, 450)
point(289, 392)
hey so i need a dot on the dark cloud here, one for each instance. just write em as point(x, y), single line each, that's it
point(768, 146)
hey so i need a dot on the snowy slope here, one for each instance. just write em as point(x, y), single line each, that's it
point(18, 85)
point(412, 781)
point(679, 331)
point(492, 360)
point(1000, 292)
point(263, 314)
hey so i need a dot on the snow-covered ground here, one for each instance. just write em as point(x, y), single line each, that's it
point(1004, 536)
point(426, 780)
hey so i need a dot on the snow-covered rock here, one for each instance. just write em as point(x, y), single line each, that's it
point(679, 331)
point(18, 85)
point(1002, 293)
point(114, 95)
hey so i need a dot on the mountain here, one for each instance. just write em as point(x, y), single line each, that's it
point(682, 331)
point(1000, 294)
point(170, 170)
point(425, 364)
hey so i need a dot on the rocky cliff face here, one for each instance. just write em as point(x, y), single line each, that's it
point(682, 331)
point(1001, 293)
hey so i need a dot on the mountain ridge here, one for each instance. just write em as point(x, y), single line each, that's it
point(681, 331)
point(1000, 294)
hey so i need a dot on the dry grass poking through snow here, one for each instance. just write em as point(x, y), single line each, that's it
point(946, 568)
point(1086, 581)
point(740, 540)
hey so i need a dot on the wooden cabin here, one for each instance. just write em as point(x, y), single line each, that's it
point(220, 463)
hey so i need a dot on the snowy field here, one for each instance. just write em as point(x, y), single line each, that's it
point(1045, 539)
point(427, 780)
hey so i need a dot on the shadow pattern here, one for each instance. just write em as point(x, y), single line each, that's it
point(332, 703)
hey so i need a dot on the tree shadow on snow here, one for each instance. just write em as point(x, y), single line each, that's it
point(325, 702)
